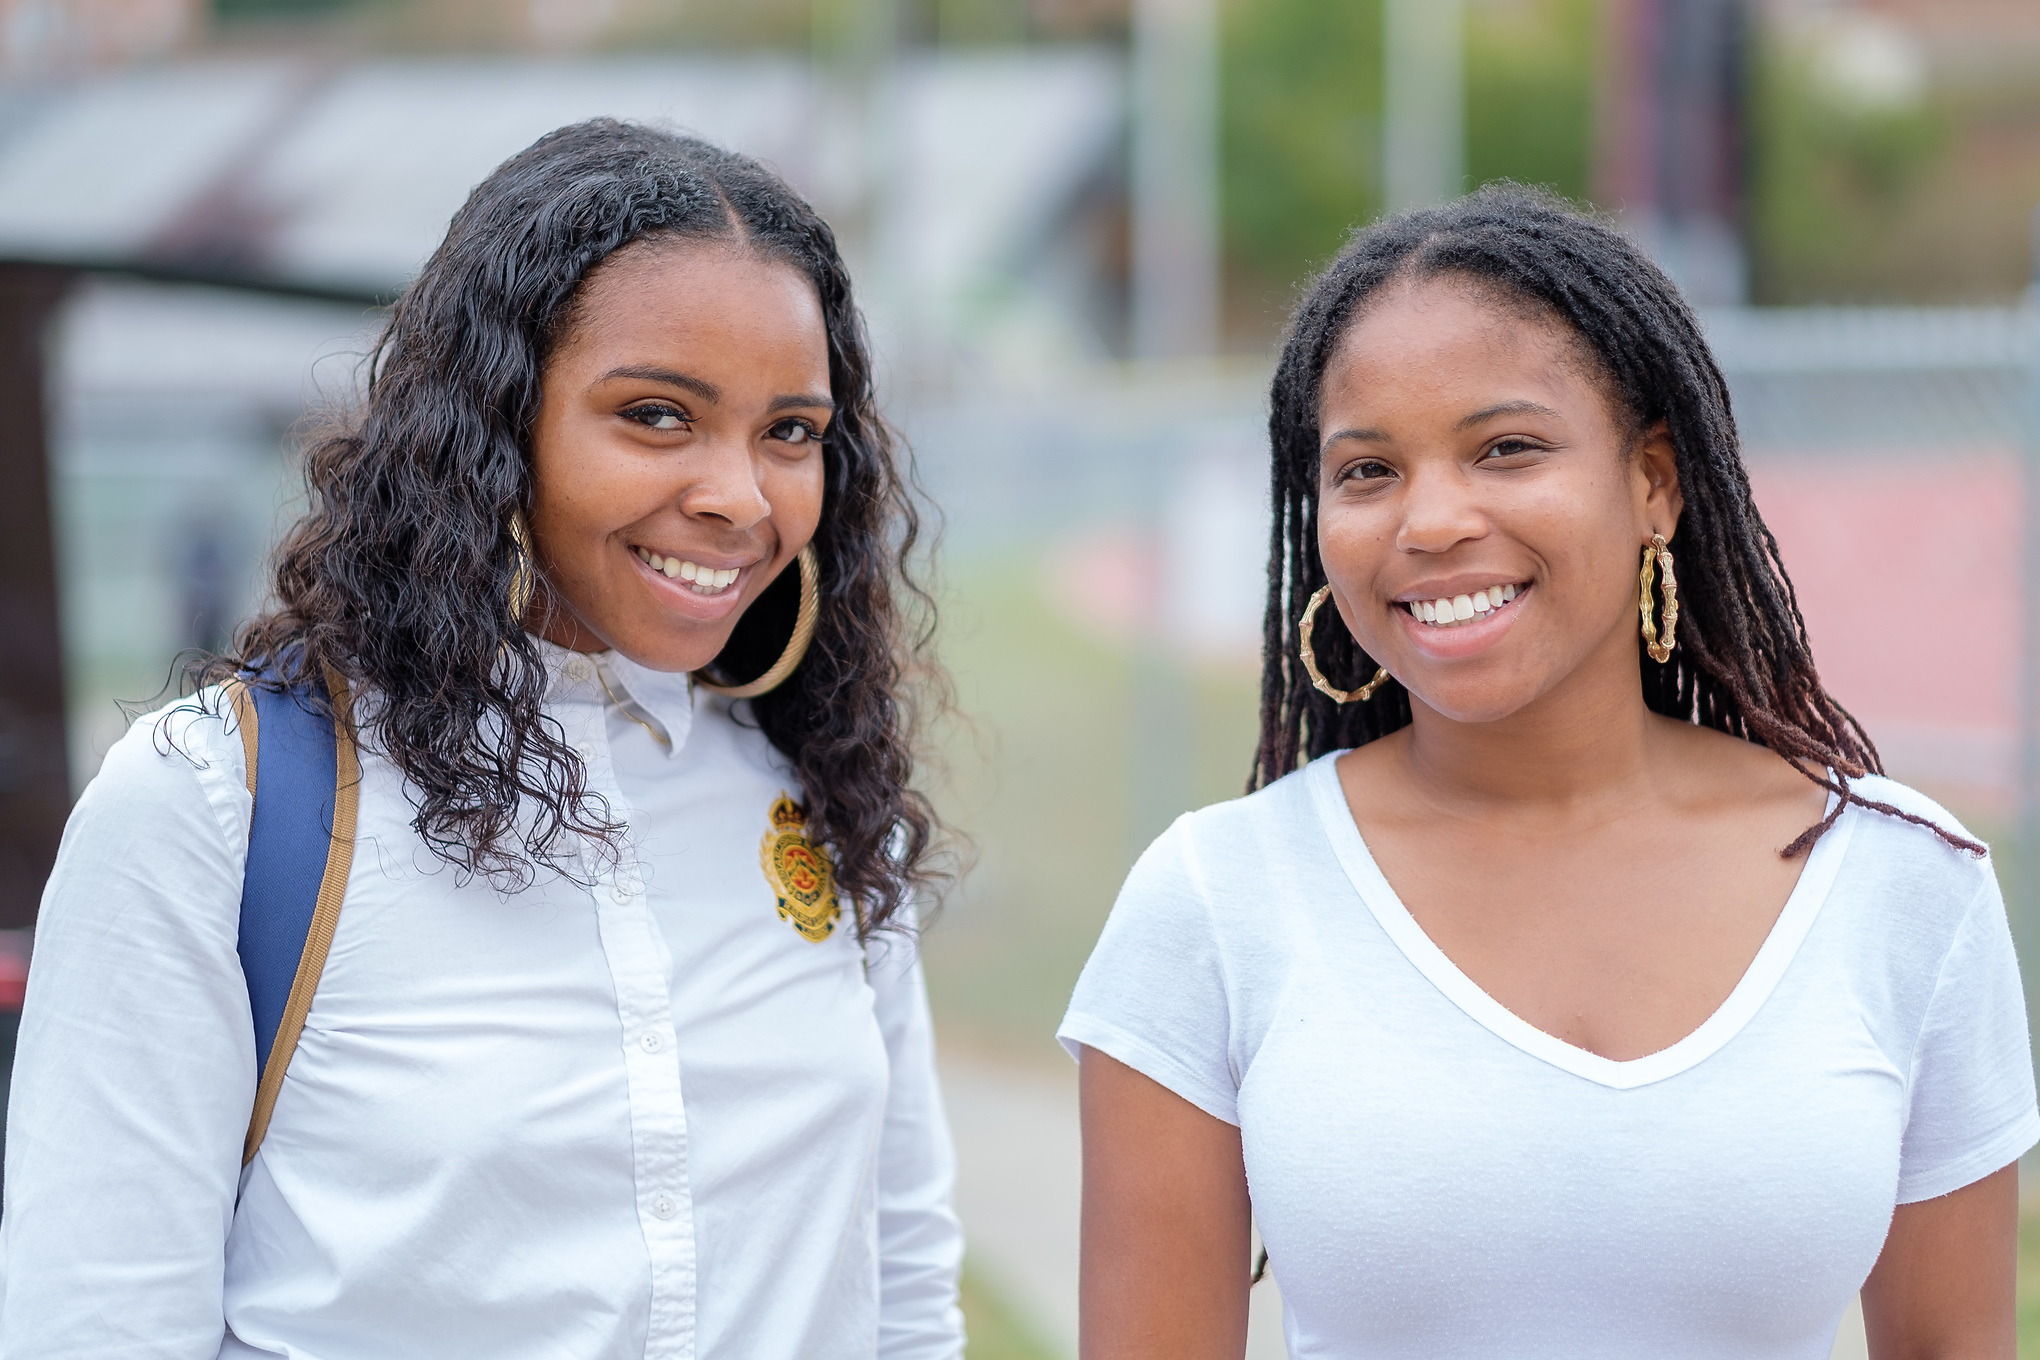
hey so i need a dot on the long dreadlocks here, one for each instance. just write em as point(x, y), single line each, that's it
point(1742, 666)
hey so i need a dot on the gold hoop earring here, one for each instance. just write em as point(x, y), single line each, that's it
point(523, 577)
point(1309, 655)
point(1655, 556)
point(796, 646)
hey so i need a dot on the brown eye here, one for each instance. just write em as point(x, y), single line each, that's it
point(795, 432)
point(658, 416)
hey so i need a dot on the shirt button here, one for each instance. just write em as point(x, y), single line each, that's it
point(650, 1042)
point(585, 750)
point(623, 892)
point(664, 1206)
point(578, 669)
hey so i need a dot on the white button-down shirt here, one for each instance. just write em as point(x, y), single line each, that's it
point(642, 1115)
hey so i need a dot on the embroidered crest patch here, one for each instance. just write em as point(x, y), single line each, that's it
point(799, 872)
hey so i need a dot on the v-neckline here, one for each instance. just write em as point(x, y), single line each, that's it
point(1757, 983)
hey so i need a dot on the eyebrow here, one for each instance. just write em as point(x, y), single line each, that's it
point(1507, 408)
point(708, 391)
point(700, 387)
point(802, 401)
point(1485, 413)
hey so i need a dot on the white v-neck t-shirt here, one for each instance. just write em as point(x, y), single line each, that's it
point(1434, 1177)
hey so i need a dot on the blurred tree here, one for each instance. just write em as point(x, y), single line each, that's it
point(1300, 91)
point(1840, 157)
point(1301, 85)
point(979, 21)
point(229, 10)
point(1530, 77)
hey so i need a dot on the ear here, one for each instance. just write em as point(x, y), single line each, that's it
point(1656, 468)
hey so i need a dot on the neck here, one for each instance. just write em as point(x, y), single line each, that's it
point(1583, 744)
point(548, 617)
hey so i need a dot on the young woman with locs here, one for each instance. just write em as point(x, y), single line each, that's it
point(620, 1046)
point(1588, 993)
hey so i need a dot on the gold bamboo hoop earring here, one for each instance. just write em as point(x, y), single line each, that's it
point(1655, 556)
point(1309, 655)
point(796, 646)
point(523, 577)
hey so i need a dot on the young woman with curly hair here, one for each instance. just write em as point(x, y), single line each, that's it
point(1588, 993)
point(620, 1046)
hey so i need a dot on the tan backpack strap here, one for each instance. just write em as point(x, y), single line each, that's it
point(325, 914)
point(249, 723)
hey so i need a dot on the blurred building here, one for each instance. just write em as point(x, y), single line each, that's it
point(40, 39)
point(979, 186)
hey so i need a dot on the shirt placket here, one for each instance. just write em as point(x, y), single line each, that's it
point(637, 956)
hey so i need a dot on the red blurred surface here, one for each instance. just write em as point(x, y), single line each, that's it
point(1907, 570)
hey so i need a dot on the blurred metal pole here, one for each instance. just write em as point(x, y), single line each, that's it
point(1175, 179)
point(855, 50)
point(35, 782)
point(2025, 905)
point(1671, 154)
point(1424, 103)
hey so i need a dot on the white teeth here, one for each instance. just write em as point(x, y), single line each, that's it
point(710, 581)
point(705, 580)
point(1443, 613)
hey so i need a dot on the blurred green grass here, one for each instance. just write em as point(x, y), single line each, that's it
point(1036, 770)
point(995, 1330)
point(2029, 1281)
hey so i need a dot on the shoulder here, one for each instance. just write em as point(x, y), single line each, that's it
point(1903, 798)
point(155, 847)
point(180, 761)
point(1277, 809)
point(1901, 827)
point(199, 734)
point(1923, 886)
point(1228, 855)
point(1240, 830)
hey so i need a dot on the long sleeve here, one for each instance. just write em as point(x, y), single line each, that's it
point(920, 1241)
point(135, 1070)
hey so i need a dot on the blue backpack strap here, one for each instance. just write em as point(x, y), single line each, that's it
point(305, 780)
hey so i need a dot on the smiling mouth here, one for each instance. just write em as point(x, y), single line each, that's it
point(709, 581)
point(1463, 609)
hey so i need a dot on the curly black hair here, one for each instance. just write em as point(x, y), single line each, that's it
point(401, 575)
point(1743, 664)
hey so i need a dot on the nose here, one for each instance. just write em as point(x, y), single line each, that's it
point(1439, 512)
point(724, 486)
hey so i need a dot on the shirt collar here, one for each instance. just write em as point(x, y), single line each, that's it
point(663, 700)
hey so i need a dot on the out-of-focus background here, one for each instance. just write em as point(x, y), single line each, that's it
point(1077, 225)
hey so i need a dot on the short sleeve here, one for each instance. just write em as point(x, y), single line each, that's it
point(1154, 994)
point(1972, 1101)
